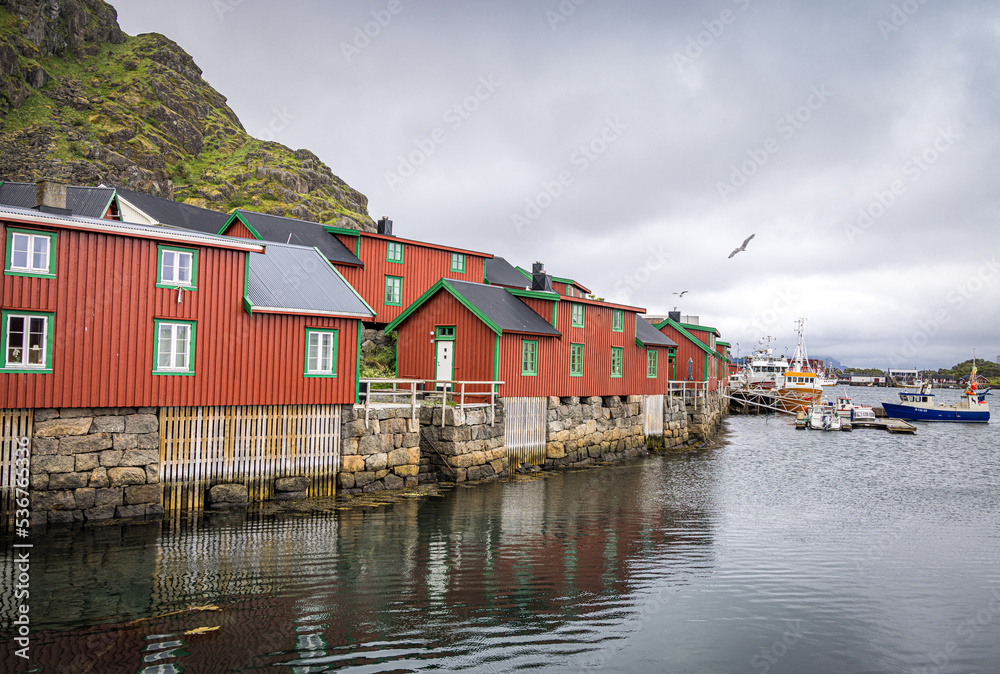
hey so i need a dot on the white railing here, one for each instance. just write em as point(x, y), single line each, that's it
point(688, 390)
point(414, 393)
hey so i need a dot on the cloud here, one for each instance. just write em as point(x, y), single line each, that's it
point(750, 89)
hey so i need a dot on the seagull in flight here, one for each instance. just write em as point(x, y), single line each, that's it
point(743, 247)
point(681, 294)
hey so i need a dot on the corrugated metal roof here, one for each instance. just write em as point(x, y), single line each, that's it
point(168, 212)
point(299, 232)
point(499, 272)
point(159, 232)
point(649, 335)
point(506, 311)
point(296, 279)
point(87, 202)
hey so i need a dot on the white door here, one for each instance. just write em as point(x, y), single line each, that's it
point(445, 358)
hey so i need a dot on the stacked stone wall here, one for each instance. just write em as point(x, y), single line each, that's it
point(382, 454)
point(675, 423)
point(95, 464)
point(466, 447)
point(583, 430)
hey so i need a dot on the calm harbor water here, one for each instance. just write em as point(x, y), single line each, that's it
point(779, 551)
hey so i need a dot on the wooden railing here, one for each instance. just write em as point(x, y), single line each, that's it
point(414, 393)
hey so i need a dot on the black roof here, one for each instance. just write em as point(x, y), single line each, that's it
point(87, 202)
point(649, 335)
point(297, 279)
point(298, 232)
point(499, 272)
point(506, 311)
point(175, 213)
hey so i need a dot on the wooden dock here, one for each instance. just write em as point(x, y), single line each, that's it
point(891, 425)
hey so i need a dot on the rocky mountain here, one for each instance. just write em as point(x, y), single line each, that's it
point(82, 101)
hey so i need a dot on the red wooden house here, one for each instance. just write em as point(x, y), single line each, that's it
point(101, 313)
point(397, 271)
point(390, 273)
point(537, 342)
point(696, 360)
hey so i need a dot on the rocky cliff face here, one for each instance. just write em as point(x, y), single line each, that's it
point(82, 101)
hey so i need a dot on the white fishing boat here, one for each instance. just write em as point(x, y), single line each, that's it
point(764, 369)
point(853, 412)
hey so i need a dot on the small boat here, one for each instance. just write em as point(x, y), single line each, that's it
point(823, 418)
point(849, 410)
point(921, 406)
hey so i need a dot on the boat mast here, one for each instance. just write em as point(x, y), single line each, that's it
point(800, 346)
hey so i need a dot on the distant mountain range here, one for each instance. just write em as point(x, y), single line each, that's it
point(83, 102)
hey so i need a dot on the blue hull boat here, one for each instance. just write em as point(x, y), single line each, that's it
point(909, 413)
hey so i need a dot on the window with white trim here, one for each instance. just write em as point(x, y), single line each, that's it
point(394, 291)
point(27, 343)
point(174, 343)
point(321, 353)
point(458, 263)
point(30, 253)
point(177, 267)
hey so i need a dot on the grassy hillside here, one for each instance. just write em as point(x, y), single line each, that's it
point(135, 111)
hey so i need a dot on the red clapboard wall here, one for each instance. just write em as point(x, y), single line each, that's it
point(104, 300)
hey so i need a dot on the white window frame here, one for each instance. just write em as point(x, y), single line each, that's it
point(174, 354)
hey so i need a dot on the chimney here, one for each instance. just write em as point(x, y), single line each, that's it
point(50, 197)
point(675, 316)
point(539, 279)
point(385, 226)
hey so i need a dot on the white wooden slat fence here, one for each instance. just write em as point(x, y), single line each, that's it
point(251, 445)
point(652, 409)
point(525, 421)
point(15, 425)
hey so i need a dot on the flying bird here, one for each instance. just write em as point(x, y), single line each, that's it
point(681, 294)
point(743, 247)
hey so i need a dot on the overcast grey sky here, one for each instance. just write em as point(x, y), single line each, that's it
point(633, 146)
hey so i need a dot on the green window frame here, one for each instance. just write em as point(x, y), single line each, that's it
point(321, 353)
point(173, 346)
point(578, 316)
point(458, 263)
point(617, 320)
point(652, 364)
point(30, 252)
point(616, 361)
point(176, 267)
point(394, 252)
point(394, 291)
point(529, 357)
point(576, 360)
point(26, 341)
point(445, 333)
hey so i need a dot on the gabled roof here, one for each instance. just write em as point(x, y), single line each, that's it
point(86, 202)
point(499, 272)
point(288, 279)
point(647, 335)
point(703, 328)
point(169, 212)
point(680, 328)
point(299, 232)
point(31, 217)
point(493, 305)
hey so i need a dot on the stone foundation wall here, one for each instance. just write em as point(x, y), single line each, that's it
point(675, 423)
point(705, 418)
point(385, 454)
point(95, 464)
point(583, 430)
point(467, 447)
